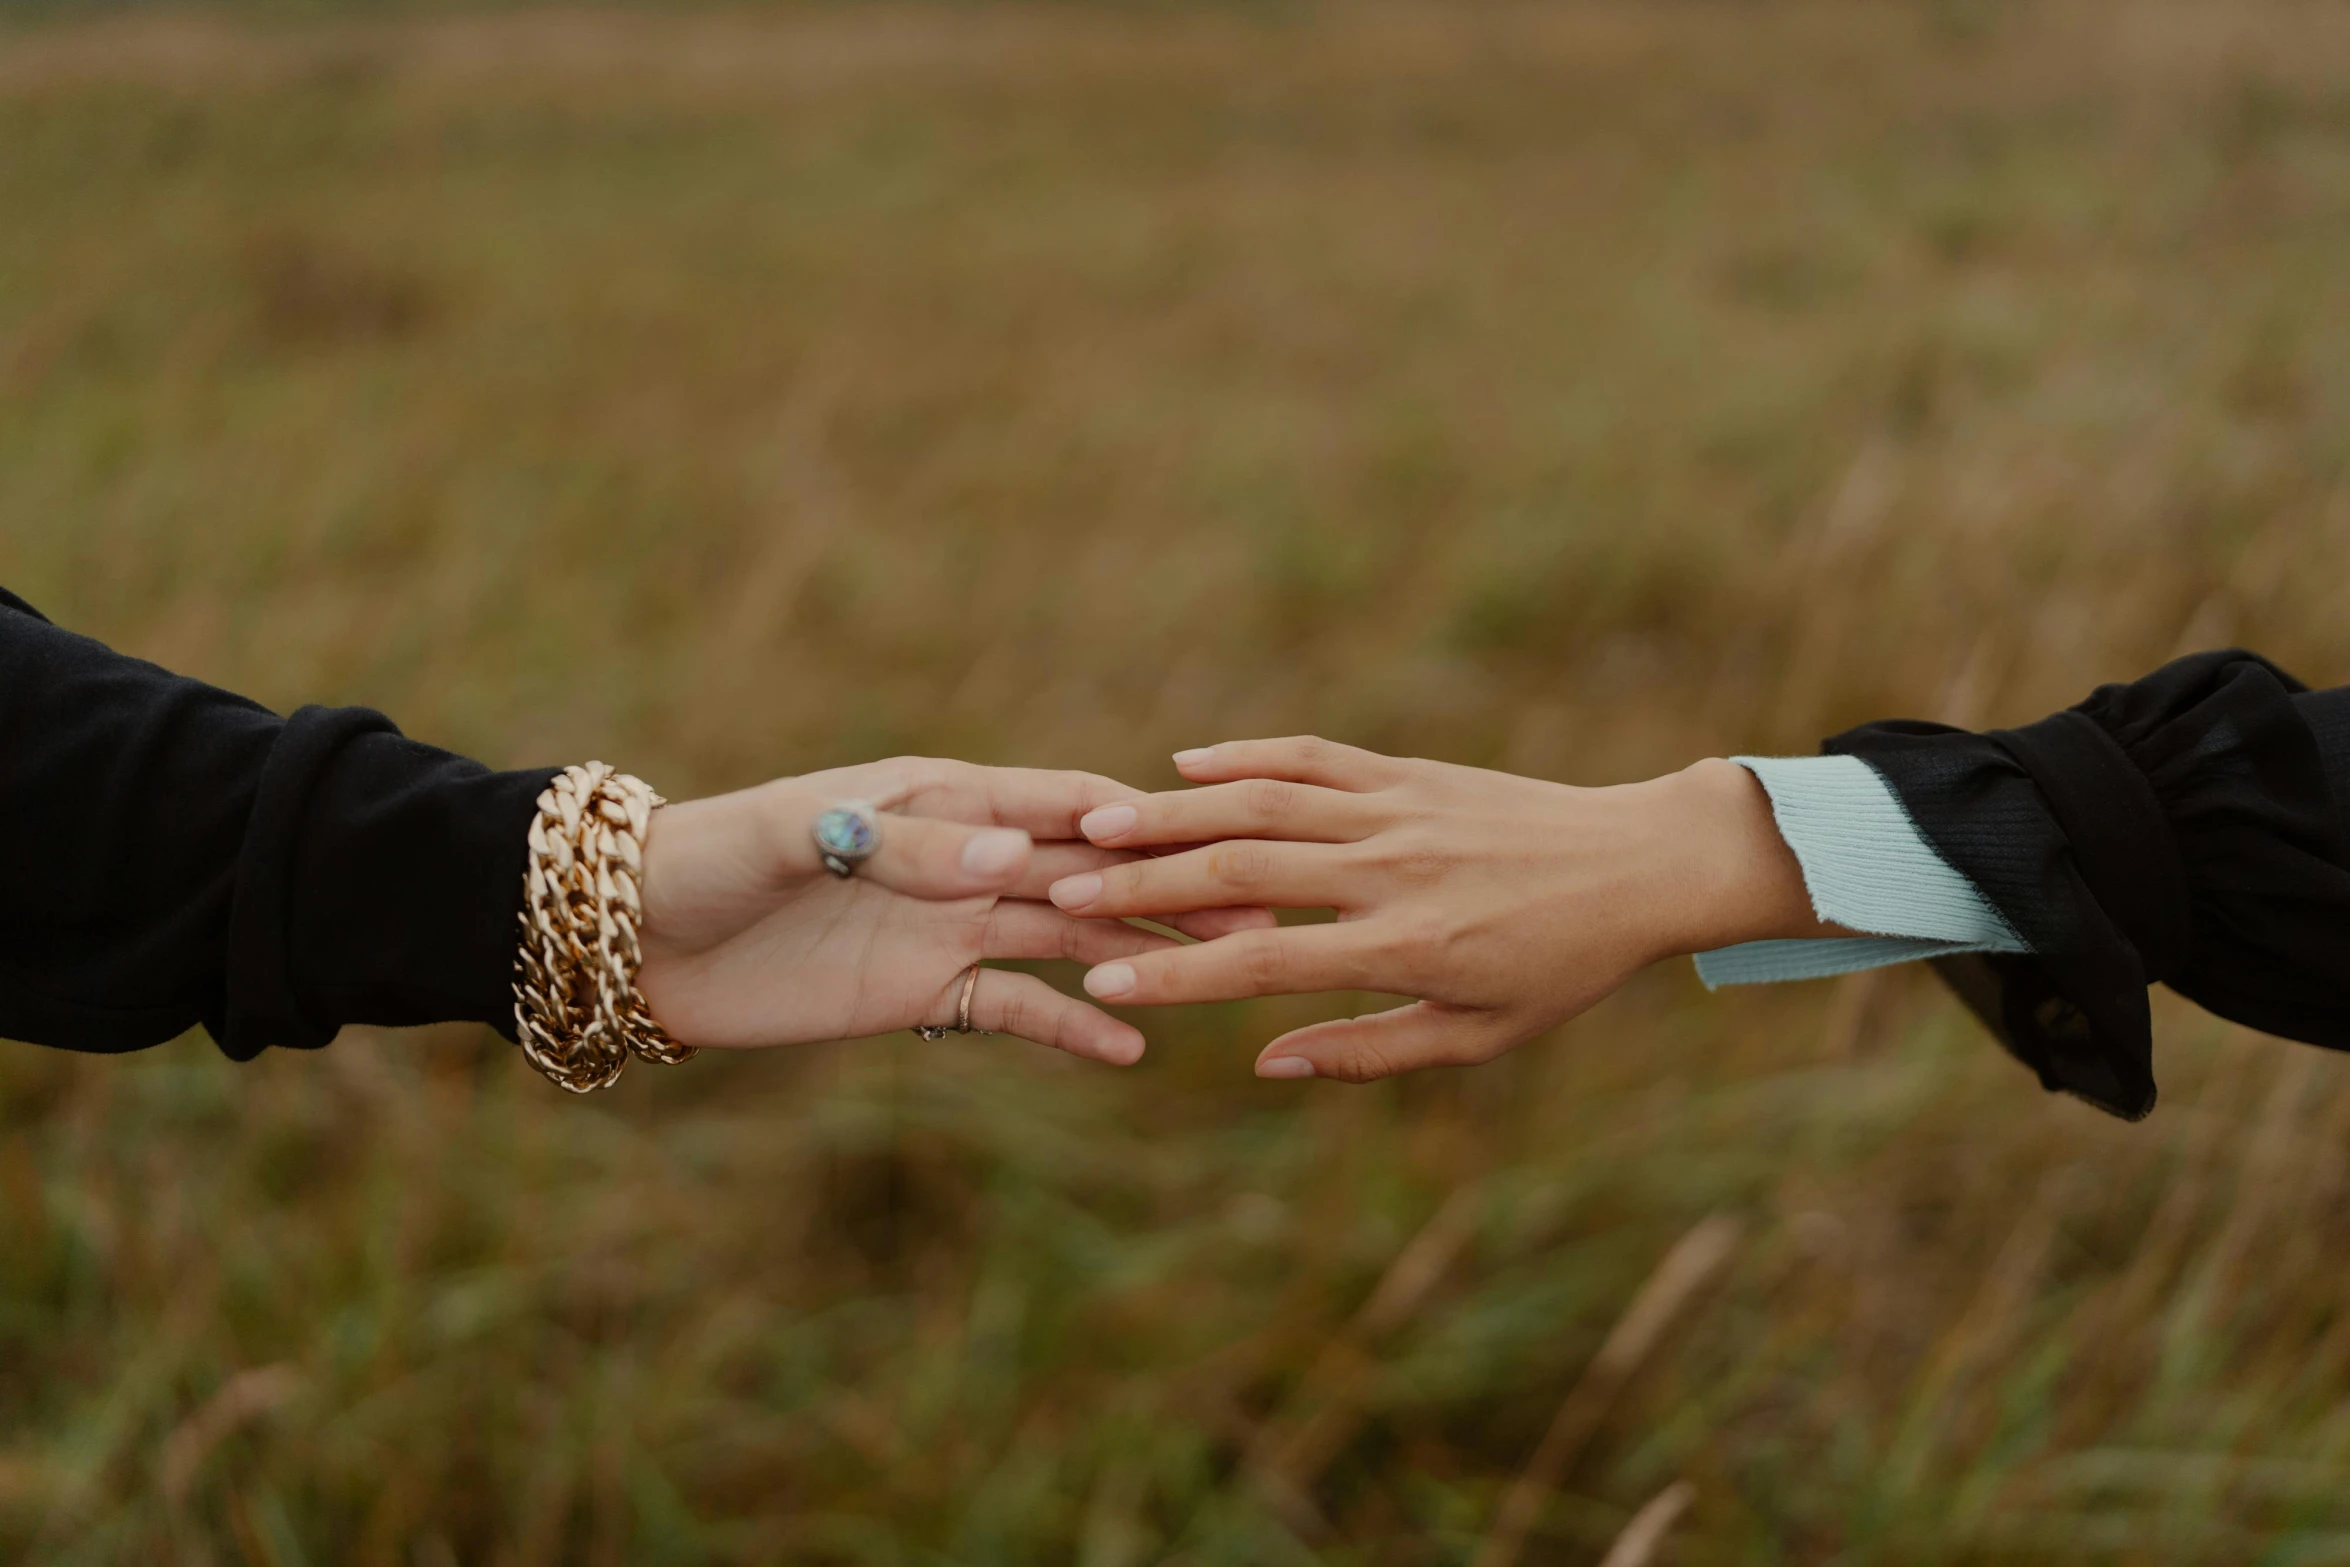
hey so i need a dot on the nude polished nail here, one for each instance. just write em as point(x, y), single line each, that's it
point(1286, 1066)
point(1111, 821)
point(1075, 892)
point(1110, 981)
point(993, 853)
point(1195, 756)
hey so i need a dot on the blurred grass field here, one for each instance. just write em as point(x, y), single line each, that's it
point(1573, 388)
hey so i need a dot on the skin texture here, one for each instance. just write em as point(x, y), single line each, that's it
point(748, 941)
point(1506, 905)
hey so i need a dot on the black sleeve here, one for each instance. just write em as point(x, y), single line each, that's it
point(2187, 829)
point(171, 854)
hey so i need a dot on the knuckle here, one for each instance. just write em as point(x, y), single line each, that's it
point(1016, 1014)
point(906, 775)
point(1239, 866)
point(1416, 862)
point(1265, 964)
point(1124, 886)
point(1267, 802)
point(1423, 867)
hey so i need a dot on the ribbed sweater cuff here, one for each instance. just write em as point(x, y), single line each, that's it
point(1867, 868)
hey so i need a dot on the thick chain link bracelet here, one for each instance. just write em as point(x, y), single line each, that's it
point(576, 1007)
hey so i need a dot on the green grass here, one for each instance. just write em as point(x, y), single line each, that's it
point(1578, 389)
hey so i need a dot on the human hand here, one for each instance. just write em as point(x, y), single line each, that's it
point(1505, 904)
point(749, 941)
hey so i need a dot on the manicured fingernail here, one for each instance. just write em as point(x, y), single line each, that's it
point(1124, 1053)
point(1111, 821)
point(1195, 756)
point(994, 852)
point(1110, 981)
point(1075, 892)
point(1286, 1066)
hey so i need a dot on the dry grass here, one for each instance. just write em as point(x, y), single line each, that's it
point(1577, 389)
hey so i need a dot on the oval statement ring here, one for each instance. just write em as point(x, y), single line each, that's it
point(846, 837)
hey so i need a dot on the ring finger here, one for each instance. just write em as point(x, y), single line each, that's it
point(1019, 929)
point(1057, 861)
point(1006, 1002)
point(1243, 872)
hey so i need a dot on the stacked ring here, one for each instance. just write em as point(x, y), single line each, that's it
point(962, 1024)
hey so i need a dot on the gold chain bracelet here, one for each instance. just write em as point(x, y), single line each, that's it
point(577, 1011)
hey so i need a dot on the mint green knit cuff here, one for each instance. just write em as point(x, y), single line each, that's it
point(1867, 868)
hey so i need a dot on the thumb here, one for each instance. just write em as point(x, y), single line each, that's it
point(1384, 1044)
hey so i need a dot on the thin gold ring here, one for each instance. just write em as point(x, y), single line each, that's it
point(934, 1032)
point(963, 1007)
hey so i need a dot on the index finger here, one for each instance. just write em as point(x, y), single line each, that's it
point(1048, 804)
point(1250, 808)
point(1043, 802)
point(1307, 759)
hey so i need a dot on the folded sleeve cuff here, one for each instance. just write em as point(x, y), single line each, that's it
point(1866, 867)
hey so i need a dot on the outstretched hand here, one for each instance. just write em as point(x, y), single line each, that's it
point(749, 941)
point(1504, 904)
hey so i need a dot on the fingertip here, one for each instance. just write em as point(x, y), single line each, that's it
point(1110, 981)
point(1197, 756)
point(996, 854)
point(1120, 1045)
point(1109, 823)
point(1285, 1067)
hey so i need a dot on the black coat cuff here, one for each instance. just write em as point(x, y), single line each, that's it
point(380, 883)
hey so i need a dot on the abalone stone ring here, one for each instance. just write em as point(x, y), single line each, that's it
point(847, 836)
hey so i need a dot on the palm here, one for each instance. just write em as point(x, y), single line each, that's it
point(832, 960)
point(749, 941)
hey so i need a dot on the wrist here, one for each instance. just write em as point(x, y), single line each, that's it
point(1737, 879)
